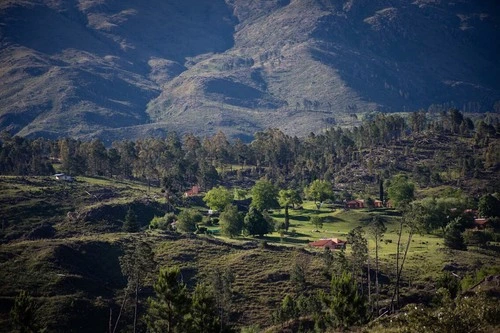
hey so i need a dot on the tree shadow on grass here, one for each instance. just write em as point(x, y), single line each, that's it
point(332, 219)
point(301, 218)
point(304, 211)
point(296, 234)
point(277, 239)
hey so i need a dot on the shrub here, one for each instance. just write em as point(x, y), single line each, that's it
point(188, 219)
point(476, 238)
point(163, 222)
point(453, 237)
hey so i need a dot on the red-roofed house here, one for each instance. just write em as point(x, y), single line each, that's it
point(353, 204)
point(378, 204)
point(481, 223)
point(195, 190)
point(331, 243)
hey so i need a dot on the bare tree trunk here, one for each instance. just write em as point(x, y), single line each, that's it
point(377, 291)
point(136, 302)
point(125, 297)
point(110, 324)
point(396, 287)
point(369, 285)
point(400, 270)
point(287, 218)
point(410, 235)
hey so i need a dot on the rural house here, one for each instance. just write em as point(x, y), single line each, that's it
point(355, 204)
point(481, 223)
point(195, 190)
point(331, 243)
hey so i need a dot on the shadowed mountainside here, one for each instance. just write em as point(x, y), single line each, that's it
point(123, 69)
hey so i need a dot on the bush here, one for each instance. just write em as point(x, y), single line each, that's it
point(453, 237)
point(188, 219)
point(468, 314)
point(476, 238)
point(450, 283)
point(162, 223)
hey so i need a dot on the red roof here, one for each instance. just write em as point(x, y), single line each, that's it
point(332, 243)
point(480, 221)
point(321, 242)
point(356, 204)
point(193, 191)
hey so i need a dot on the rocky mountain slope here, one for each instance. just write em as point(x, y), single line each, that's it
point(123, 69)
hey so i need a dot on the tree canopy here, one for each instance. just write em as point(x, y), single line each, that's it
point(319, 191)
point(231, 221)
point(256, 223)
point(218, 198)
point(168, 309)
point(489, 206)
point(131, 224)
point(264, 195)
point(401, 191)
point(347, 305)
point(188, 219)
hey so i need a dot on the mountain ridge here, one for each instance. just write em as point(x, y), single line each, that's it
point(121, 69)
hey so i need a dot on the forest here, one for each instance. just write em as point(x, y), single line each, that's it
point(176, 163)
point(426, 184)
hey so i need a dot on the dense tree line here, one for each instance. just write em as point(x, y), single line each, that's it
point(176, 163)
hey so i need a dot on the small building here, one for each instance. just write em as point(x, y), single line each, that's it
point(355, 204)
point(330, 243)
point(378, 204)
point(481, 223)
point(195, 190)
point(62, 176)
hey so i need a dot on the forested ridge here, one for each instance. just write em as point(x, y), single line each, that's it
point(435, 149)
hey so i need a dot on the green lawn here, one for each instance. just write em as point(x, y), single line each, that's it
point(426, 255)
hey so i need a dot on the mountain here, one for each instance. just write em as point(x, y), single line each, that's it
point(123, 69)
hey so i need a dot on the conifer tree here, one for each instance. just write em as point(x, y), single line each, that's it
point(168, 309)
point(204, 316)
point(347, 306)
point(23, 313)
point(131, 224)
